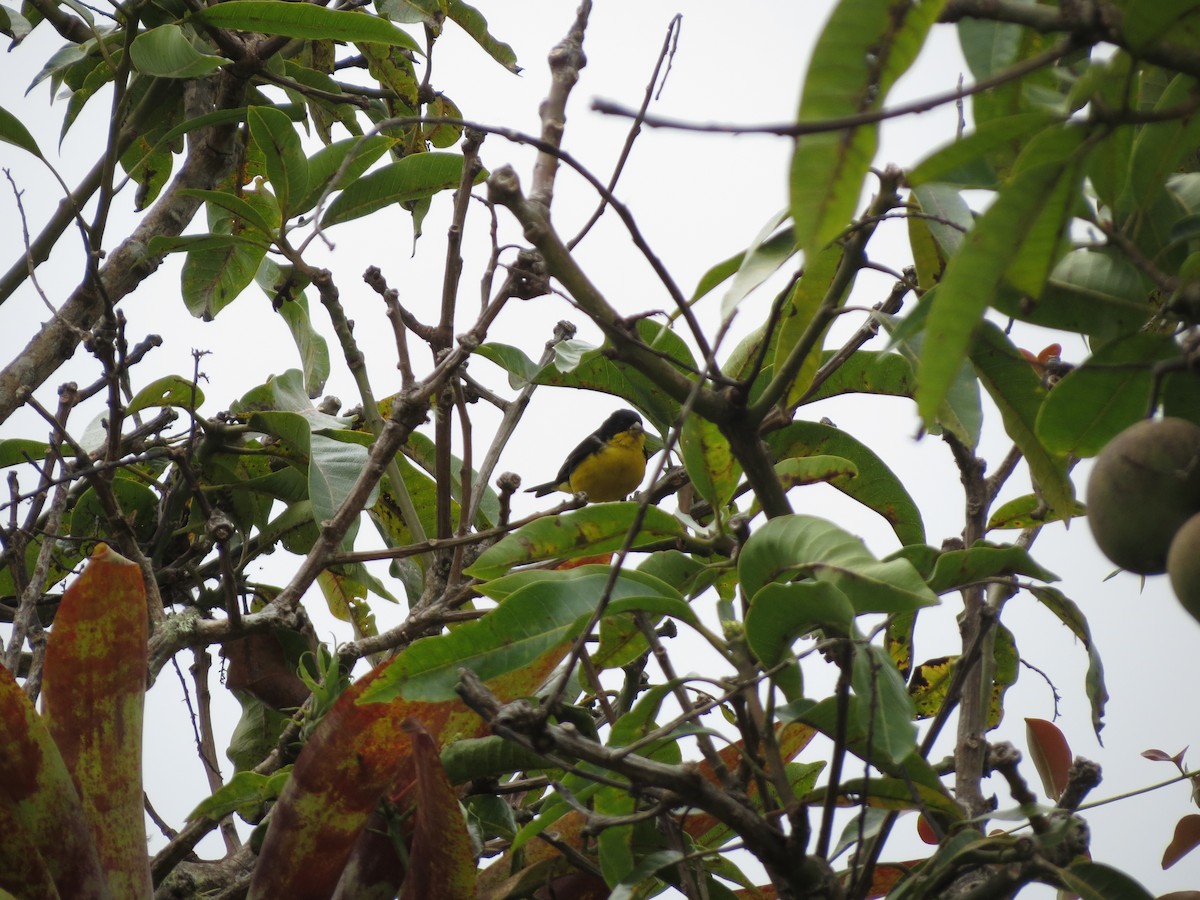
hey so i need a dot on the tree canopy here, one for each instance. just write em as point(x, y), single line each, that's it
point(715, 686)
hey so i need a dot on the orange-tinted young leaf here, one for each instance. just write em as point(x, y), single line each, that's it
point(1051, 755)
point(1180, 895)
point(442, 861)
point(1187, 836)
point(93, 692)
point(45, 838)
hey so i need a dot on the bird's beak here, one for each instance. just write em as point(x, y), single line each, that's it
point(636, 428)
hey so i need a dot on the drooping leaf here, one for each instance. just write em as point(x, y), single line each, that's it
point(1184, 841)
point(442, 858)
point(1067, 612)
point(828, 168)
point(12, 131)
point(473, 23)
point(1019, 393)
point(287, 167)
point(93, 692)
point(710, 463)
point(1000, 243)
point(49, 844)
point(1051, 755)
point(808, 295)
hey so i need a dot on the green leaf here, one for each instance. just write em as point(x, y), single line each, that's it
point(170, 390)
point(804, 300)
point(333, 468)
point(411, 178)
point(866, 45)
point(1018, 392)
point(797, 546)
point(709, 461)
point(537, 619)
point(15, 451)
point(13, 24)
point(473, 23)
point(767, 253)
point(1028, 511)
point(257, 209)
point(166, 52)
point(12, 131)
point(1159, 148)
point(966, 161)
point(1070, 615)
point(597, 528)
point(214, 276)
point(875, 486)
point(520, 368)
point(780, 613)
point(1104, 396)
point(956, 568)
point(1095, 881)
point(577, 364)
point(814, 470)
point(1093, 292)
point(244, 793)
point(867, 372)
point(996, 245)
point(885, 710)
point(293, 308)
point(303, 20)
point(287, 166)
point(961, 413)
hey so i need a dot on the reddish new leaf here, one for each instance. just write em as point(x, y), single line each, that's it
point(93, 691)
point(1187, 836)
point(1163, 756)
point(925, 831)
point(46, 840)
point(1051, 755)
point(442, 861)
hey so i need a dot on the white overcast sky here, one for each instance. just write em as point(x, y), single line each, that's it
point(697, 199)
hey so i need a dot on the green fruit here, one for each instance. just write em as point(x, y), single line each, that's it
point(1183, 565)
point(1144, 486)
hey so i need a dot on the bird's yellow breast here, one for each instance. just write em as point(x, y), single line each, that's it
point(612, 472)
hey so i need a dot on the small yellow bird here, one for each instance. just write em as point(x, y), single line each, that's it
point(607, 465)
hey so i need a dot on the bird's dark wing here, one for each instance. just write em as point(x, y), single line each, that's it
point(593, 443)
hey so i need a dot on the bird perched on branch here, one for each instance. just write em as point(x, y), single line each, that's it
point(607, 465)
